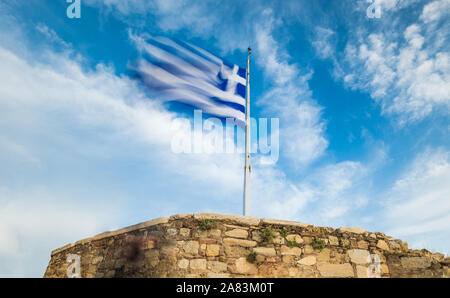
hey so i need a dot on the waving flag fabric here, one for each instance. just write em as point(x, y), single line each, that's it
point(185, 73)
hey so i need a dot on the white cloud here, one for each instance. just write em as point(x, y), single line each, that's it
point(323, 43)
point(270, 56)
point(403, 65)
point(302, 129)
point(30, 229)
point(326, 197)
point(395, 4)
point(435, 10)
point(51, 35)
point(125, 7)
point(409, 80)
point(200, 19)
point(418, 206)
point(11, 150)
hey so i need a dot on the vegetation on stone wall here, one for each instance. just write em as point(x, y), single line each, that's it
point(318, 243)
point(207, 224)
point(267, 234)
point(251, 258)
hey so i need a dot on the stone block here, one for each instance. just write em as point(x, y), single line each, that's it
point(260, 258)
point(323, 255)
point(307, 239)
point(308, 261)
point(197, 264)
point(241, 266)
point(217, 266)
point(239, 242)
point(289, 259)
point(183, 264)
point(308, 249)
point(256, 235)
point(265, 251)
point(352, 230)
point(381, 244)
point(363, 244)
point(269, 221)
point(235, 227)
point(437, 256)
point(185, 232)
point(415, 262)
point(244, 220)
point(359, 256)
point(361, 271)
point(212, 250)
point(237, 233)
point(236, 251)
point(143, 225)
point(97, 260)
point(215, 233)
point(333, 240)
point(291, 251)
point(395, 245)
point(180, 216)
point(335, 270)
point(149, 244)
point(295, 237)
point(191, 247)
point(172, 232)
point(278, 239)
point(345, 242)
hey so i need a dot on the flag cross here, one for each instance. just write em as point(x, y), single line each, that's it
point(233, 78)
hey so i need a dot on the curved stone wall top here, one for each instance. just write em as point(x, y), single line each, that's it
point(228, 218)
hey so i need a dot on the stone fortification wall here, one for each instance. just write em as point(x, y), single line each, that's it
point(218, 245)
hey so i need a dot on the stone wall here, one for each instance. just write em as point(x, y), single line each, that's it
point(217, 245)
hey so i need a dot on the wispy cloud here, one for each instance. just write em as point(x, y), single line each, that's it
point(326, 197)
point(406, 70)
point(302, 129)
point(51, 35)
point(323, 42)
point(435, 10)
point(418, 205)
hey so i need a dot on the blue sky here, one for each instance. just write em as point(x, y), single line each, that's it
point(363, 106)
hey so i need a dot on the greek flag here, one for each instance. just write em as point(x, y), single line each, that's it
point(185, 73)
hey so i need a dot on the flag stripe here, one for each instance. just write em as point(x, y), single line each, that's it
point(163, 79)
point(185, 73)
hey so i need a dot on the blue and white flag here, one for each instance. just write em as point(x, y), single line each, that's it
point(185, 73)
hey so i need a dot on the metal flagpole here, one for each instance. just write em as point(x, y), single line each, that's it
point(247, 168)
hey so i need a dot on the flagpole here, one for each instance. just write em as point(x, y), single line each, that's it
point(247, 168)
